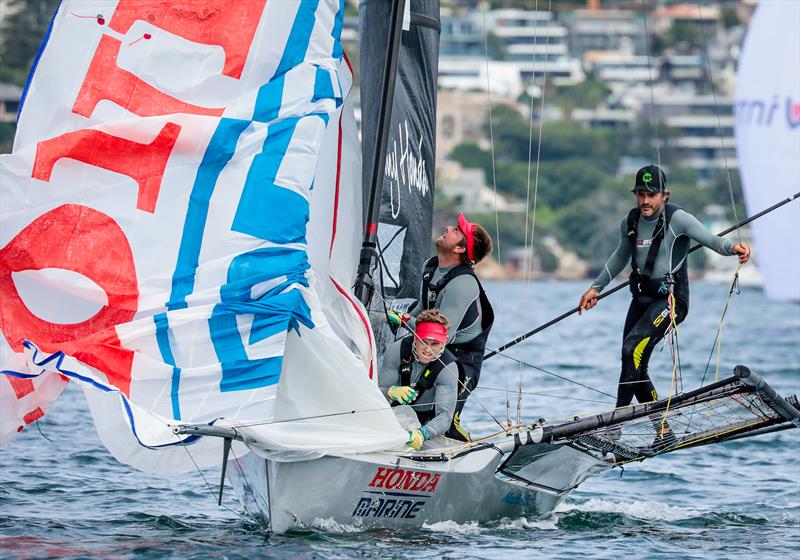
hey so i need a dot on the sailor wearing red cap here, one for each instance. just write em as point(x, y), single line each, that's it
point(449, 283)
point(419, 371)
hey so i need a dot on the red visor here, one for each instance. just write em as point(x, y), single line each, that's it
point(433, 331)
point(467, 229)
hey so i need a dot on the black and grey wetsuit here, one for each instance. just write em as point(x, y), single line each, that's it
point(458, 294)
point(436, 405)
point(648, 315)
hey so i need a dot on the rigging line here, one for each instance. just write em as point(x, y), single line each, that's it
point(545, 394)
point(526, 294)
point(673, 388)
point(494, 170)
point(619, 287)
point(340, 413)
point(529, 271)
point(208, 485)
point(653, 121)
point(719, 123)
point(717, 338)
point(553, 374)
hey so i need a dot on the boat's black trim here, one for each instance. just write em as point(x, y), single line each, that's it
point(542, 487)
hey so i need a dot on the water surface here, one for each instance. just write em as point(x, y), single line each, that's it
point(62, 494)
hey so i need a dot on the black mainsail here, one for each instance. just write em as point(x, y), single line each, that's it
point(401, 225)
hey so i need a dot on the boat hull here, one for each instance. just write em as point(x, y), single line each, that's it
point(384, 490)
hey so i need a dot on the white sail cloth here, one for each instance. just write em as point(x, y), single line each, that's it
point(767, 111)
point(154, 242)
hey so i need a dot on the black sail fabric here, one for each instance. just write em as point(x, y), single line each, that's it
point(404, 228)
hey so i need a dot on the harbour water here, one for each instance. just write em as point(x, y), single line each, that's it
point(63, 496)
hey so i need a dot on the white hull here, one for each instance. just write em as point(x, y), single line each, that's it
point(486, 483)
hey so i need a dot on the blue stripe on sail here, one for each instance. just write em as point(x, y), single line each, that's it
point(338, 51)
point(266, 210)
point(268, 101)
point(261, 265)
point(58, 358)
point(323, 85)
point(219, 152)
point(273, 313)
point(162, 337)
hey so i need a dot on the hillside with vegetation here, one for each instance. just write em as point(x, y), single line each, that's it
point(581, 195)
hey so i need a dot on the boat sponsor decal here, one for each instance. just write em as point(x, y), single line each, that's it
point(416, 486)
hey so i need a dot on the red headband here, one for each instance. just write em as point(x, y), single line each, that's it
point(468, 230)
point(435, 331)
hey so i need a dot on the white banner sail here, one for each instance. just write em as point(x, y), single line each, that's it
point(767, 109)
point(154, 212)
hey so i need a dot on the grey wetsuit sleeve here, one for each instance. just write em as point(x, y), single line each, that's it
point(446, 394)
point(683, 223)
point(455, 299)
point(390, 367)
point(617, 261)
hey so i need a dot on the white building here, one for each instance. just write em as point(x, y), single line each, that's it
point(594, 31)
point(704, 127)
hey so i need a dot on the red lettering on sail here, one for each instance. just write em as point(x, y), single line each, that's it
point(20, 386)
point(33, 416)
point(231, 25)
point(106, 80)
point(89, 242)
point(144, 163)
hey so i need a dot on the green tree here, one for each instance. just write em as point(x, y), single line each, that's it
point(589, 93)
point(21, 34)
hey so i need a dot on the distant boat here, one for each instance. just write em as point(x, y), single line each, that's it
point(767, 122)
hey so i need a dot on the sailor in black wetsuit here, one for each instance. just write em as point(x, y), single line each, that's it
point(419, 371)
point(653, 234)
point(449, 283)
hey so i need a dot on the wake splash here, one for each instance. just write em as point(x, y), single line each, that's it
point(647, 511)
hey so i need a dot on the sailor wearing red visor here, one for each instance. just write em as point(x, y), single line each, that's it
point(450, 284)
point(419, 371)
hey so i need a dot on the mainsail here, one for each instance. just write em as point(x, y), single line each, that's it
point(767, 111)
point(407, 185)
point(155, 240)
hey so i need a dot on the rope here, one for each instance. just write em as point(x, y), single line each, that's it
point(673, 384)
point(554, 374)
point(719, 126)
point(653, 119)
point(718, 337)
point(529, 265)
point(494, 171)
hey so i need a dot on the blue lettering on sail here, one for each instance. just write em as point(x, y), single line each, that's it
point(270, 96)
point(219, 152)
point(265, 206)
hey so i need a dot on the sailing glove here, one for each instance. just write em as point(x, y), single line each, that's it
point(396, 318)
point(415, 439)
point(403, 395)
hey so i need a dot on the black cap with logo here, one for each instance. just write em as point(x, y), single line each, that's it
point(651, 179)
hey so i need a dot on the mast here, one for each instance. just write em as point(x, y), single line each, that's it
point(364, 285)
